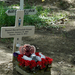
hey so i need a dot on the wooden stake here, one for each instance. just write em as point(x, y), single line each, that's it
point(21, 4)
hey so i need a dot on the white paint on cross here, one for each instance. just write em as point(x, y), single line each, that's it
point(18, 31)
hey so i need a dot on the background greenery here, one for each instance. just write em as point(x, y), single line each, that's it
point(41, 19)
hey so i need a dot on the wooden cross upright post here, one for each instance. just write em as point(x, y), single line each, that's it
point(21, 4)
point(18, 31)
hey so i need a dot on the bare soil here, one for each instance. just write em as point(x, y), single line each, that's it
point(58, 44)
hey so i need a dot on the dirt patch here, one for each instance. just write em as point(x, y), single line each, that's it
point(58, 44)
point(55, 45)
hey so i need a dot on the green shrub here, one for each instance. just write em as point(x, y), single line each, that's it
point(40, 19)
point(5, 20)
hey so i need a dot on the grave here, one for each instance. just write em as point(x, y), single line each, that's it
point(19, 31)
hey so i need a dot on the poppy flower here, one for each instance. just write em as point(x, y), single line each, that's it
point(37, 54)
point(39, 63)
point(27, 63)
point(32, 64)
point(49, 60)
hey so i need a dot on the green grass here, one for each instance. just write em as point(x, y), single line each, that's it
point(6, 40)
point(4, 19)
point(41, 19)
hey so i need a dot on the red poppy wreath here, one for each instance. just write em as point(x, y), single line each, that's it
point(29, 58)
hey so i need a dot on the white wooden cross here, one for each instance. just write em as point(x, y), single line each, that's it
point(18, 31)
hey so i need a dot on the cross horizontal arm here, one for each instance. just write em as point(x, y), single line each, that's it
point(26, 12)
point(8, 32)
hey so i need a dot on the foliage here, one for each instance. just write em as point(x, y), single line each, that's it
point(6, 40)
point(41, 19)
point(4, 19)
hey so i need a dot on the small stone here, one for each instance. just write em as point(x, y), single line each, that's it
point(52, 52)
point(61, 62)
point(9, 65)
point(70, 55)
point(69, 65)
point(63, 42)
point(37, 47)
point(6, 71)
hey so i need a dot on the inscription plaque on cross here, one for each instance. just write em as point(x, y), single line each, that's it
point(18, 31)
